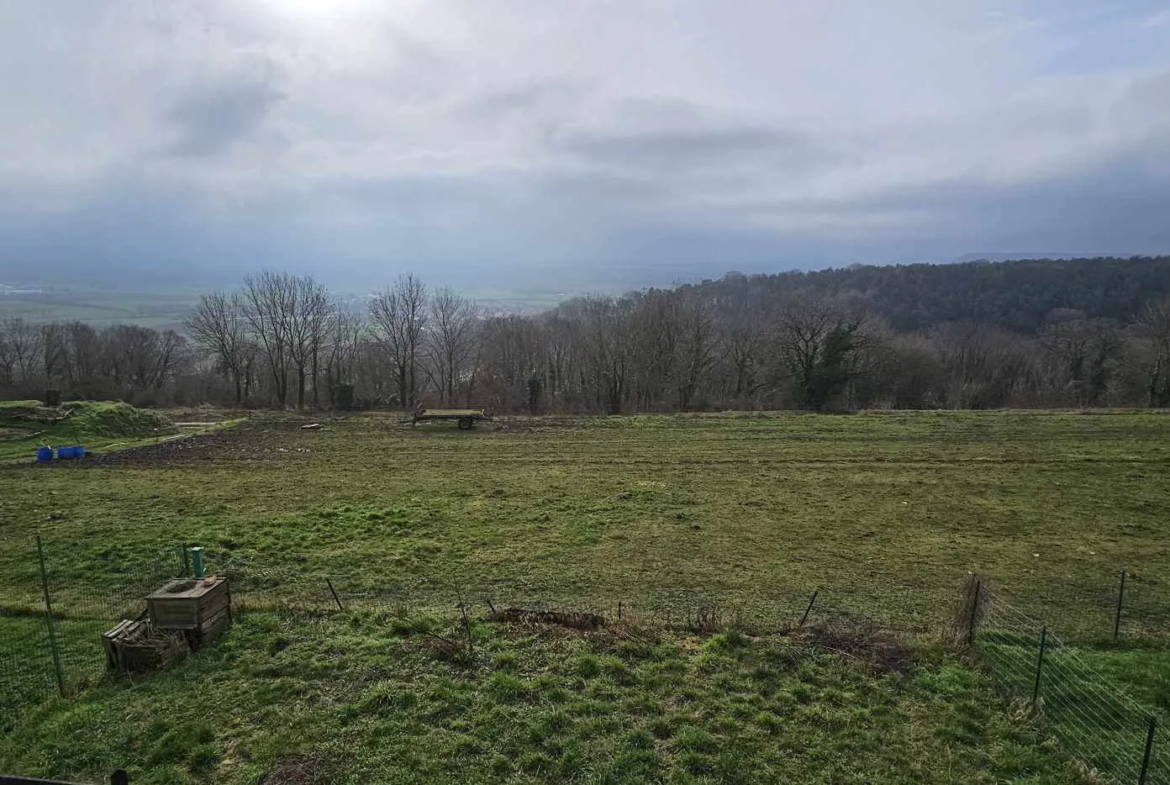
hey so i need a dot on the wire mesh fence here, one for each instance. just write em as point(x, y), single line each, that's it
point(56, 608)
point(1076, 692)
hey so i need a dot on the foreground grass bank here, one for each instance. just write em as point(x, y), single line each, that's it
point(357, 698)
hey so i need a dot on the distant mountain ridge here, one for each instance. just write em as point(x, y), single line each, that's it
point(1031, 255)
point(1018, 295)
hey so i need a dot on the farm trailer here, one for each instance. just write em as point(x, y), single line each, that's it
point(465, 418)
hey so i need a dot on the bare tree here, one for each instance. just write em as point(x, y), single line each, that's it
point(169, 357)
point(695, 349)
point(560, 340)
point(1153, 326)
point(52, 344)
point(983, 365)
point(743, 349)
point(450, 342)
point(140, 357)
point(399, 317)
point(1083, 354)
point(306, 318)
point(511, 354)
point(82, 355)
point(219, 324)
point(655, 327)
point(908, 374)
point(20, 351)
point(269, 299)
point(741, 310)
point(606, 348)
point(344, 340)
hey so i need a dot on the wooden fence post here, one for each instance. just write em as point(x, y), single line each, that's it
point(974, 620)
point(1039, 665)
point(1120, 602)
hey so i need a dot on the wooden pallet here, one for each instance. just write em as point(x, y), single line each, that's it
point(137, 647)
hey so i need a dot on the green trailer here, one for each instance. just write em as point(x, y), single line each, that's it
point(464, 418)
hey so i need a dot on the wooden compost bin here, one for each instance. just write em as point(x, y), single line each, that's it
point(201, 609)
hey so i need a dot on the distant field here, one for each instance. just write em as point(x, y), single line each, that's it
point(884, 513)
point(167, 308)
point(160, 309)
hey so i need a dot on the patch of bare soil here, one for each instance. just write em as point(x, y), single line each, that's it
point(547, 422)
point(296, 771)
point(271, 442)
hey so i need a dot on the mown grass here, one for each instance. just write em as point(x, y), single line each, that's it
point(751, 512)
point(884, 513)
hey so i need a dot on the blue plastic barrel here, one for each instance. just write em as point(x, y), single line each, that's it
point(44, 454)
point(79, 452)
point(65, 452)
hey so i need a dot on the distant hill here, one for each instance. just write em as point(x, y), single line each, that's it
point(1011, 257)
point(1017, 295)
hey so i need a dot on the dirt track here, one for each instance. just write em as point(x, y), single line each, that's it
point(270, 441)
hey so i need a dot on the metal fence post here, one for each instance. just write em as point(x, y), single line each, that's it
point(1039, 665)
point(49, 618)
point(811, 601)
point(333, 591)
point(1149, 749)
point(1120, 602)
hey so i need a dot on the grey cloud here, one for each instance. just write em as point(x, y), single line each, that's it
point(682, 149)
point(596, 189)
point(523, 102)
point(211, 119)
point(1114, 205)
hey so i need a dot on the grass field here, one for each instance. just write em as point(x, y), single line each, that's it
point(883, 513)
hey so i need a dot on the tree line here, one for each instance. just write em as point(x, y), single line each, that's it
point(1019, 295)
point(282, 340)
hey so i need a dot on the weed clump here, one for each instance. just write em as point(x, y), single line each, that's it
point(862, 639)
point(574, 620)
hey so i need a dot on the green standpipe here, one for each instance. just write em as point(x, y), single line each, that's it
point(197, 562)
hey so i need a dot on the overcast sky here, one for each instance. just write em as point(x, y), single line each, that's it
point(563, 140)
